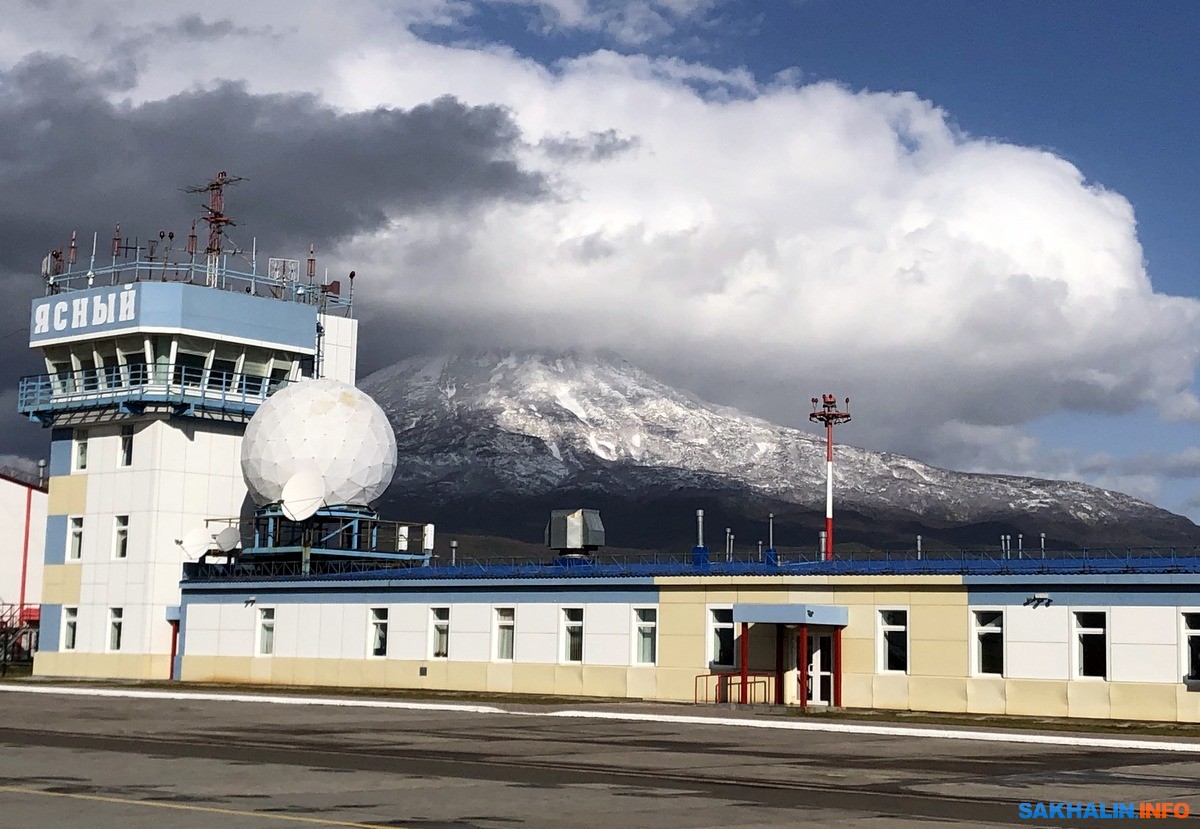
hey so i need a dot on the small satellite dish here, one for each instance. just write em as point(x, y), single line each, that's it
point(302, 495)
point(228, 539)
point(196, 542)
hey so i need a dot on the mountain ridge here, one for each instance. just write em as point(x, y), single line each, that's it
point(530, 429)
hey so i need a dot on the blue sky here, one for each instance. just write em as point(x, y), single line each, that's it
point(688, 173)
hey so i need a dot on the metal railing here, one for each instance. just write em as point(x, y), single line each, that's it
point(604, 565)
point(197, 273)
point(726, 687)
point(110, 385)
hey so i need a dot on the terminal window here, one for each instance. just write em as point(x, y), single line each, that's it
point(379, 631)
point(81, 450)
point(572, 634)
point(116, 622)
point(1091, 643)
point(721, 624)
point(647, 635)
point(893, 628)
point(126, 446)
point(266, 631)
point(120, 536)
point(441, 632)
point(75, 542)
point(506, 623)
point(989, 642)
point(1191, 627)
point(70, 627)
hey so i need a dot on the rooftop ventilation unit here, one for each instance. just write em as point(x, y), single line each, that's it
point(575, 532)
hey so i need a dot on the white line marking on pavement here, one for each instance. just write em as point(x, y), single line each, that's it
point(1070, 740)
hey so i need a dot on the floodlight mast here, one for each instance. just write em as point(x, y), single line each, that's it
point(829, 414)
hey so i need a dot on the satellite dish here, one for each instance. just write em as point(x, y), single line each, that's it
point(196, 542)
point(302, 495)
point(228, 539)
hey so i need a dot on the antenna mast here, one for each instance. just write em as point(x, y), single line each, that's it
point(217, 221)
point(829, 415)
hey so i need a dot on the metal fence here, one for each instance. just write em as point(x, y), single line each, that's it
point(602, 565)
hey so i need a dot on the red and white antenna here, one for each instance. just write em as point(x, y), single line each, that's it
point(216, 218)
point(829, 414)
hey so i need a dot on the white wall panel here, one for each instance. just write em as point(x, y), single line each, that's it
point(1145, 663)
point(470, 618)
point(1144, 625)
point(1038, 660)
point(407, 617)
point(469, 646)
point(607, 618)
point(200, 642)
point(329, 641)
point(1037, 624)
point(605, 649)
point(538, 619)
point(536, 647)
point(287, 618)
point(354, 631)
point(308, 630)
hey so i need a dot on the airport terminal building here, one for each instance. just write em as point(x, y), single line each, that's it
point(166, 558)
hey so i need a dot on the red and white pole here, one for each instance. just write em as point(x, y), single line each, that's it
point(829, 415)
point(829, 490)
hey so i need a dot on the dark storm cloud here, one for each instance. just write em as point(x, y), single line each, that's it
point(195, 27)
point(70, 160)
point(595, 146)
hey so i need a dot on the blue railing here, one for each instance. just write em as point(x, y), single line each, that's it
point(867, 562)
point(127, 385)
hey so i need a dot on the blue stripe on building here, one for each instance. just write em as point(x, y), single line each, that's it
point(60, 451)
point(50, 628)
point(56, 539)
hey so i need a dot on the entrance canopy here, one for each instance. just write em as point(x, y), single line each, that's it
point(792, 614)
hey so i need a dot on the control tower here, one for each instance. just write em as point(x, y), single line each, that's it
point(155, 359)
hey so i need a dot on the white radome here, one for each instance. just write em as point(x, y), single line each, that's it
point(324, 427)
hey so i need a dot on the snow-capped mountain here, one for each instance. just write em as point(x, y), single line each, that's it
point(496, 439)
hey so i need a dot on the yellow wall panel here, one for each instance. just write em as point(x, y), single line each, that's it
point(642, 683)
point(853, 595)
point(500, 677)
point(682, 651)
point(930, 693)
point(676, 684)
point(985, 695)
point(1034, 697)
point(1087, 699)
point(568, 680)
point(682, 618)
point(764, 595)
point(857, 690)
point(67, 495)
point(349, 672)
point(605, 681)
point(940, 595)
point(938, 622)
point(890, 691)
point(533, 679)
point(926, 658)
point(1143, 701)
point(60, 583)
point(1187, 703)
point(467, 676)
point(858, 656)
point(374, 673)
point(261, 669)
point(893, 598)
point(860, 622)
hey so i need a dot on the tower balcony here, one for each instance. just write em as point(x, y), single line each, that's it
point(93, 395)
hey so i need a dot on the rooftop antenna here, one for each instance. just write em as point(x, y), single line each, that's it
point(217, 221)
point(829, 414)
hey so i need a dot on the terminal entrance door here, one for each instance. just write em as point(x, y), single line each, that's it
point(820, 669)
